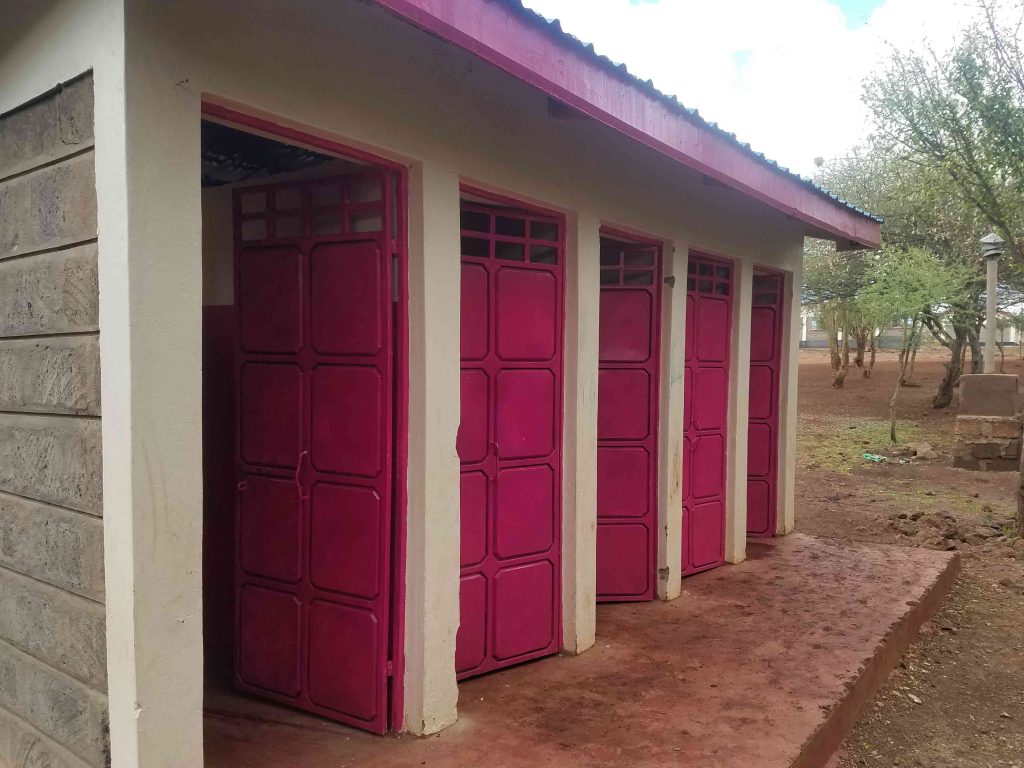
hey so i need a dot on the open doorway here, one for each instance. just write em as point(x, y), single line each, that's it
point(303, 350)
point(629, 352)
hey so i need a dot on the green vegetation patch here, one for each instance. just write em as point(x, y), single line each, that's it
point(839, 444)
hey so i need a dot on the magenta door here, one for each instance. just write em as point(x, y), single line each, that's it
point(314, 448)
point(709, 288)
point(510, 438)
point(627, 421)
point(763, 427)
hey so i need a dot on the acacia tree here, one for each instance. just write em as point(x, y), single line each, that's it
point(961, 113)
point(907, 284)
point(921, 210)
point(832, 281)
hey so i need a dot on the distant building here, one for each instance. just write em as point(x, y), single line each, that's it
point(813, 336)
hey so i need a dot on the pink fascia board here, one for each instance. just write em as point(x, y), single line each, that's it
point(501, 36)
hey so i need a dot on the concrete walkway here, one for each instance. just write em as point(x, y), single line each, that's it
point(759, 665)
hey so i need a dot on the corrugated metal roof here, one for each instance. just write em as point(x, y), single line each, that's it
point(554, 28)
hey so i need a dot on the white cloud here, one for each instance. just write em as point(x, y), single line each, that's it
point(784, 75)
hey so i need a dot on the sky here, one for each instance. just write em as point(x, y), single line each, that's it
point(783, 75)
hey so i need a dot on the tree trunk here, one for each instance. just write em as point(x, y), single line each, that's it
point(913, 361)
point(977, 357)
point(839, 373)
point(1020, 498)
point(839, 352)
point(1002, 358)
point(873, 349)
point(954, 368)
point(860, 337)
point(908, 342)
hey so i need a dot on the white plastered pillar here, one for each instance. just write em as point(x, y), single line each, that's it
point(579, 458)
point(670, 416)
point(433, 524)
point(739, 407)
point(150, 284)
point(785, 515)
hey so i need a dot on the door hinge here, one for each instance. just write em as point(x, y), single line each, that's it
point(390, 668)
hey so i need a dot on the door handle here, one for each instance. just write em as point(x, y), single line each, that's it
point(494, 473)
point(303, 494)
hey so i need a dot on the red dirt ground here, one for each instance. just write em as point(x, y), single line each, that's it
point(957, 699)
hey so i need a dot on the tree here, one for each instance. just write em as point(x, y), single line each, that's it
point(908, 283)
point(832, 281)
point(961, 113)
point(921, 210)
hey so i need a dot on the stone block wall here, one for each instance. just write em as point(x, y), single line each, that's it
point(987, 442)
point(53, 672)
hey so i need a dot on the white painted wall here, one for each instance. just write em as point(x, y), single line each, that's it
point(351, 73)
point(432, 562)
point(152, 497)
point(579, 486)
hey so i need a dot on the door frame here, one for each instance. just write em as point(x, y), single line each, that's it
point(400, 421)
point(658, 353)
point(529, 206)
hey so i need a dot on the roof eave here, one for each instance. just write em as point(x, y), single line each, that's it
point(505, 38)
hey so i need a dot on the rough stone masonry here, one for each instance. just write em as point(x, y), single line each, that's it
point(988, 427)
point(53, 671)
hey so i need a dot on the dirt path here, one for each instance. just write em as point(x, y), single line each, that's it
point(957, 699)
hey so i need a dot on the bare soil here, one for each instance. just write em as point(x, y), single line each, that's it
point(957, 698)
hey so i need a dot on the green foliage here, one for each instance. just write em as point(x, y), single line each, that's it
point(959, 116)
point(909, 282)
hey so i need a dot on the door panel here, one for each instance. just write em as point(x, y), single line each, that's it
point(525, 321)
point(314, 452)
point(270, 300)
point(709, 288)
point(353, 515)
point(625, 477)
point(270, 407)
point(270, 530)
point(623, 554)
point(270, 630)
point(763, 427)
point(524, 512)
point(346, 286)
point(627, 421)
point(347, 431)
point(510, 438)
point(525, 421)
point(524, 611)
point(627, 393)
point(473, 504)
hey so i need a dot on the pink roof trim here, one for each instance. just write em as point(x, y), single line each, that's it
point(498, 34)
